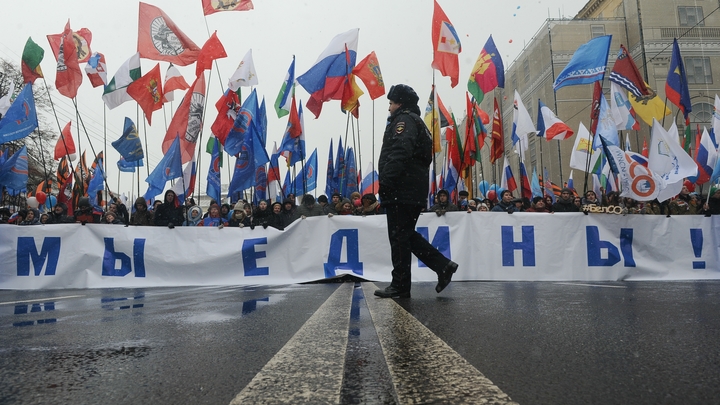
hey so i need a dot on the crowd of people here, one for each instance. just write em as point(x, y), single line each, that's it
point(168, 212)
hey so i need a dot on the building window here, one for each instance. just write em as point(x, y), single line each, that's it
point(701, 115)
point(597, 31)
point(698, 70)
point(690, 16)
point(526, 70)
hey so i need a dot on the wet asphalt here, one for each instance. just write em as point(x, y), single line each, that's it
point(525, 342)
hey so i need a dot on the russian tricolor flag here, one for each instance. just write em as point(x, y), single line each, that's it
point(549, 126)
point(326, 79)
point(706, 157)
point(370, 183)
point(508, 181)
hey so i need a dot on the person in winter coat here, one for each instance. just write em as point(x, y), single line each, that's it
point(194, 216)
point(712, 206)
point(277, 219)
point(239, 218)
point(262, 215)
point(84, 212)
point(110, 218)
point(31, 218)
point(214, 218)
point(308, 208)
point(59, 215)
point(443, 203)
point(565, 203)
point(169, 213)
point(506, 204)
point(345, 207)
point(370, 206)
point(403, 171)
point(538, 205)
point(142, 216)
point(288, 211)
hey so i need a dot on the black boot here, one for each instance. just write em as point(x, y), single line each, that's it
point(392, 292)
point(445, 275)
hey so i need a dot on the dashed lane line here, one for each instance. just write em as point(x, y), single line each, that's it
point(309, 368)
point(423, 367)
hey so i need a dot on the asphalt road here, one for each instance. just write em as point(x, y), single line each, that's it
point(516, 342)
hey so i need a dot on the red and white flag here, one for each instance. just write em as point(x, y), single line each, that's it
point(160, 39)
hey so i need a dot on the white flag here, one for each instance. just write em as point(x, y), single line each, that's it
point(621, 109)
point(669, 160)
point(582, 151)
point(245, 75)
point(522, 126)
point(636, 181)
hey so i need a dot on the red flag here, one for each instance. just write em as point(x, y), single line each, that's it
point(595, 108)
point(227, 106)
point(81, 39)
point(213, 49)
point(160, 39)
point(63, 172)
point(645, 151)
point(65, 145)
point(351, 94)
point(498, 143)
point(446, 46)
point(368, 70)
point(294, 126)
point(187, 121)
point(69, 75)
point(148, 92)
point(216, 6)
point(96, 70)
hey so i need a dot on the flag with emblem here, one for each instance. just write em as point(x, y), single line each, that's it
point(488, 72)
point(213, 187)
point(96, 70)
point(306, 180)
point(68, 76)
point(216, 6)
point(32, 56)
point(245, 75)
point(260, 188)
point(129, 145)
point(228, 106)
point(14, 172)
point(582, 150)
point(676, 86)
point(498, 142)
point(80, 40)
point(187, 121)
point(292, 146)
point(446, 45)
point(148, 92)
point(368, 70)
point(245, 122)
point(329, 186)
point(432, 120)
point(160, 39)
point(622, 112)
point(587, 64)
point(21, 118)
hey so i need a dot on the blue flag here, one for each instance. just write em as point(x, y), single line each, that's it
point(262, 123)
point(535, 185)
point(339, 171)
point(606, 127)
point(587, 64)
point(213, 177)
point(128, 167)
point(286, 184)
point(351, 180)
point(97, 182)
point(170, 167)
point(294, 145)
point(244, 123)
point(329, 186)
point(129, 145)
point(20, 119)
point(260, 184)
point(307, 175)
point(14, 172)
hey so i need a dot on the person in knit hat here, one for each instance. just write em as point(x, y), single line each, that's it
point(213, 218)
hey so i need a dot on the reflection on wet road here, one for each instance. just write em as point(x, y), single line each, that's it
point(527, 343)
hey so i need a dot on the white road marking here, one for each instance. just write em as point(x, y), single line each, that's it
point(424, 369)
point(593, 285)
point(309, 368)
point(41, 299)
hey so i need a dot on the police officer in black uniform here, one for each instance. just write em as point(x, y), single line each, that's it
point(404, 163)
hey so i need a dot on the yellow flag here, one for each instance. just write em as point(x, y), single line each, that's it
point(649, 107)
point(432, 120)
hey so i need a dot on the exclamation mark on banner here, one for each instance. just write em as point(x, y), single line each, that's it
point(696, 238)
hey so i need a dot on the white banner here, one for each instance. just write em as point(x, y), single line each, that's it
point(488, 246)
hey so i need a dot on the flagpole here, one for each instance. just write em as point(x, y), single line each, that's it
point(105, 148)
point(552, 72)
point(373, 146)
point(72, 169)
point(347, 129)
point(81, 155)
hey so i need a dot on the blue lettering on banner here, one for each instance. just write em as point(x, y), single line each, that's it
point(526, 245)
point(110, 258)
point(353, 262)
point(27, 252)
point(250, 256)
point(441, 241)
point(595, 248)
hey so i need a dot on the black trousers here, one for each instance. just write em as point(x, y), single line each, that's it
point(405, 241)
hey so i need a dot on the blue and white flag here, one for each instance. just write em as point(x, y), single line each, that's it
point(170, 167)
point(20, 119)
point(14, 172)
point(307, 175)
point(587, 65)
point(129, 145)
point(606, 126)
point(128, 167)
point(213, 188)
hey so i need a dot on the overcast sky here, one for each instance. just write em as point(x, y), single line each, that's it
point(398, 31)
